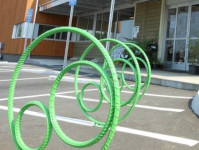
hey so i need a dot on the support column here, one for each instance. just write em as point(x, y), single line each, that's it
point(34, 20)
point(94, 24)
point(110, 23)
point(116, 25)
point(161, 41)
point(68, 37)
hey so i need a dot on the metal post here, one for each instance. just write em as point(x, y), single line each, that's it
point(26, 38)
point(76, 37)
point(101, 28)
point(33, 27)
point(94, 24)
point(34, 20)
point(110, 23)
point(116, 25)
point(68, 37)
point(161, 31)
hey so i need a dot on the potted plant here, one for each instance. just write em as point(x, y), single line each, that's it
point(194, 58)
point(157, 64)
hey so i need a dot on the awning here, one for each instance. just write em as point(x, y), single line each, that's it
point(84, 7)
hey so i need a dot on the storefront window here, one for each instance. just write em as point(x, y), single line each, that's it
point(58, 36)
point(181, 31)
point(169, 50)
point(180, 46)
point(171, 23)
point(194, 31)
point(18, 31)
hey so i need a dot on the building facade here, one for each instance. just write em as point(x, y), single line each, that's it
point(172, 23)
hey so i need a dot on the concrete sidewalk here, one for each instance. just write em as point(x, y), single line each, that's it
point(178, 80)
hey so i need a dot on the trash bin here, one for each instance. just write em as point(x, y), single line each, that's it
point(1, 50)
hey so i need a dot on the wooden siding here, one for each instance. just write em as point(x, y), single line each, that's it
point(80, 47)
point(148, 18)
point(17, 14)
point(12, 12)
point(52, 48)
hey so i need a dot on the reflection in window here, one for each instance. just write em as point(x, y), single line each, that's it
point(64, 35)
point(180, 50)
point(182, 22)
point(57, 36)
point(194, 21)
point(193, 54)
point(169, 50)
point(171, 23)
point(19, 30)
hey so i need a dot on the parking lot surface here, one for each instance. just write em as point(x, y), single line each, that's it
point(162, 119)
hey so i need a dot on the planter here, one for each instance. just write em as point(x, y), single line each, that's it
point(157, 66)
point(193, 69)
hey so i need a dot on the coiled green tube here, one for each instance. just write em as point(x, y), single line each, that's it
point(112, 120)
point(109, 81)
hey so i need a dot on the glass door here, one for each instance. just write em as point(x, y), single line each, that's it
point(176, 40)
point(179, 57)
point(194, 28)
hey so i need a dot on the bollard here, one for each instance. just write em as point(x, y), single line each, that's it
point(109, 81)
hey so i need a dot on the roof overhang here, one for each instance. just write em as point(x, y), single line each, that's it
point(85, 7)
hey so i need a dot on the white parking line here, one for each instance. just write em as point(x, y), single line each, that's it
point(6, 71)
point(71, 79)
point(162, 137)
point(7, 66)
point(60, 118)
point(43, 95)
point(23, 79)
point(41, 71)
point(164, 96)
point(138, 106)
point(86, 75)
point(3, 62)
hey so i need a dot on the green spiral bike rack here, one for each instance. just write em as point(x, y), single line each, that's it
point(109, 81)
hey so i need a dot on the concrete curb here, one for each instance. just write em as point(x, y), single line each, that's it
point(154, 80)
point(3, 62)
point(195, 104)
point(129, 76)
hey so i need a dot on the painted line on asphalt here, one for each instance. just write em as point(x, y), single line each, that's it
point(7, 63)
point(138, 106)
point(60, 118)
point(157, 136)
point(43, 95)
point(163, 96)
point(23, 79)
point(24, 67)
point(71, 79)
point(7, 66)
point(86, 75)
point(41, 71)
point(162, 137)
point(6, 71)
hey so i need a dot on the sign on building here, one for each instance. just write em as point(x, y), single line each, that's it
point(117, 52)
point(29, 15)
point(72, 2)
point(136, 30)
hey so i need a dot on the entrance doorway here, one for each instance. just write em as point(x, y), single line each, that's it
point(182, 30)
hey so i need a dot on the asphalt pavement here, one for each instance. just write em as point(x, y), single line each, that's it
point(162, 119)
